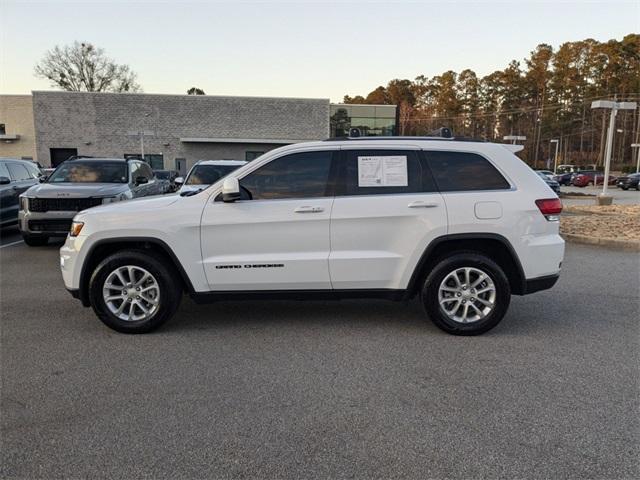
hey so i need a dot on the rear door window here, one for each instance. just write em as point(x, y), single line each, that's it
point(463, 171)
point(383, 172)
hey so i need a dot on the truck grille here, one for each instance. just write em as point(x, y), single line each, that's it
point(62, 204)
point(50, 225)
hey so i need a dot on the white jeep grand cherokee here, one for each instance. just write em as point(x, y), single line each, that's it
point(463, 225)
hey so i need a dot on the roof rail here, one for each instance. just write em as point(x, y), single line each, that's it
point(442, 133)
point(404, 138)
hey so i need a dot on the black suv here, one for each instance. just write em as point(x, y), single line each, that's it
point(16, 176)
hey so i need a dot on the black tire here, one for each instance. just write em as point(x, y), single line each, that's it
point(35, 241)
point(625, 188)
point(170, 290)
point(462, 259)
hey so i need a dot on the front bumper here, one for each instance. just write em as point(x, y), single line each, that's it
point(49, 224)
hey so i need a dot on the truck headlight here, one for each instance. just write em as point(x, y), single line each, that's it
point(24, 203)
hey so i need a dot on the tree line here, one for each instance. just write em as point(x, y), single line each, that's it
point(547, 96)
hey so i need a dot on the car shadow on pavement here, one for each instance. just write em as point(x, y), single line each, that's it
point(523, 318)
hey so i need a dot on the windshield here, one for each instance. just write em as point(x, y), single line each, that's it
point(208, 174)
point(162, 175)
point(90, 172)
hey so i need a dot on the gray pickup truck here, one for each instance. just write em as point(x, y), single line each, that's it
point(47, 209)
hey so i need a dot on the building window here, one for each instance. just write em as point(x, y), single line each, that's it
point(155, 160)
point(3, 131)
point(371, 120)
point(252, 155)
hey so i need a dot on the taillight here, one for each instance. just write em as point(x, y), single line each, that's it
point(550, 208)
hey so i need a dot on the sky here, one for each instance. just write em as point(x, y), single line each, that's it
point(296, 49)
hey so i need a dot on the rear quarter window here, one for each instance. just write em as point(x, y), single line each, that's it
point(463, 171)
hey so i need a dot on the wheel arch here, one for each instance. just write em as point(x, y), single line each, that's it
point(103, 248)
point(495, 246)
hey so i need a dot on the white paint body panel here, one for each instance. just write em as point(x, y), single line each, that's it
point(377, 240)
point(256, 233)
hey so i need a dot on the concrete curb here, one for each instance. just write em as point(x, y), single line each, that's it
point(630, 245)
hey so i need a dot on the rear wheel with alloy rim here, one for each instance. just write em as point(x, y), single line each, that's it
point(466, 294)
point(133, 292)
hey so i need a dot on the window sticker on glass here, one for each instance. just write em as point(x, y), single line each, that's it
point(388, 171)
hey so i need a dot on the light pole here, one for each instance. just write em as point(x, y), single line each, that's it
point(555, 157)
point(141, 134)
point(614, 107)
point(637, 145)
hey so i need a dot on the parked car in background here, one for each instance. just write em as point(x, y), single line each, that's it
point(548, 173)
point(46, 209)
point(586, 178)
point(555, 186)
point(561, 169)
point(564, 178)
point(630, 181)
point(16, 176)
point(168, 177)
point(207, 172)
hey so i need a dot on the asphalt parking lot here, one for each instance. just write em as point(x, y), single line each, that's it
point(365, 389)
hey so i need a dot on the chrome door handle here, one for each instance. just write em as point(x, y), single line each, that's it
point(421, 204)
point(307, 209)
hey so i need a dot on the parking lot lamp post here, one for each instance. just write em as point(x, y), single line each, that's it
point(637, 147)
point(555, 157)
point(614, 107)
point(515, 138)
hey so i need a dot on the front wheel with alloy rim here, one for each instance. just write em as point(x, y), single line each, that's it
point(133, 292)
point(466, 294)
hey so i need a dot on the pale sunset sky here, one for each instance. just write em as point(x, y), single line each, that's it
point(296, 49)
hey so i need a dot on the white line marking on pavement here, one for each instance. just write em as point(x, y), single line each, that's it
point(10, 244)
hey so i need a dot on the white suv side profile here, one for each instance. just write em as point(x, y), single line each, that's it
point(463, 225)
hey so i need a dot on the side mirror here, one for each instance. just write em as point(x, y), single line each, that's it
point(43, 178)
point(141, 180)
point(230, 190)
point(5, 180)
point(178, 180)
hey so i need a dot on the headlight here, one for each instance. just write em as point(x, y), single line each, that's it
point(76, 227)
point(24, 203)
point(117, 198)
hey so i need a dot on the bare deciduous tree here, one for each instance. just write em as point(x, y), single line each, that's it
point(82, 67)
point(195, 91)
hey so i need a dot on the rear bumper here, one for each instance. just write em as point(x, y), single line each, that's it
point(533, 285)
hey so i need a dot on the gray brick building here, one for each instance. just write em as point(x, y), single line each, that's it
point(176, 130)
